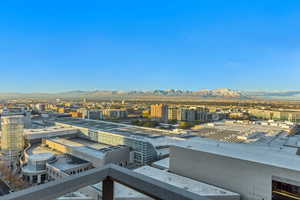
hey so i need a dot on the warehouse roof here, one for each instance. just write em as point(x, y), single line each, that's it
point(117, 128)
point(282, 157)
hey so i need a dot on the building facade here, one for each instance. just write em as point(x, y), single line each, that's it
point(253, 174)
point(159, 112)
point(12, 138)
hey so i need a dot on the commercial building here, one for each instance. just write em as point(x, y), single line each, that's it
point(181, 114)
point(115, 114)
point(253, 171)
point(42, 165)
point(293, 116)
point(20, 112)
point(172, 113)
point(202, 116)
point(34, 171)
point(36, 135)
point(191, 115)
point(96, 153)
point(147, 144)
point(243, 131)
point(12, 138)
point(159, 112)
point(197, 114)
point(92, 114)
point(68, 155)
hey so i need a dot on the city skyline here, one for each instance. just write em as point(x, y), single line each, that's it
point(64, 46)
point(170, 100)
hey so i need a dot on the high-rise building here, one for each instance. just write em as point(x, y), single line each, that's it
point(159, 112)
point(201, 116)
point(185, 114)
point(172, 113)
point(114, 114)
point(91, 114)
point(191, 115)
point(12, 139)
point(181, 114)
point(20, 112)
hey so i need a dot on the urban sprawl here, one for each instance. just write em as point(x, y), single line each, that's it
point(215, 150)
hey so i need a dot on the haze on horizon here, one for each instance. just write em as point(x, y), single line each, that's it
point(56, 46)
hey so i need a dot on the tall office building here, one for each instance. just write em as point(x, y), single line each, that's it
point(159, 112)
point(91, 114)
point(12, 139)
point(172, 113)
point(115, 114)
point(181, 114)
point(186, 114)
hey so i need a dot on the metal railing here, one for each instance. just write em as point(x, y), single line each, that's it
point(108, 175)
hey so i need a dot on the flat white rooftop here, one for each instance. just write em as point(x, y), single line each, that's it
point(116, 128)
point(282, 157)
point(48, 132)
point(41, 157)
point(162, 164)
point(190, 185)
point(75, 145)
point(64, 163)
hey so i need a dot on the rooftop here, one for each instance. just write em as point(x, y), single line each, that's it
point(38, 148)
point(51, 131)
point(278, 156)
point(162, 164)
point(122, 129)
point(41, 156)
point(65, 163)
point(240, 131)
point(187, 184)
point(84, 147)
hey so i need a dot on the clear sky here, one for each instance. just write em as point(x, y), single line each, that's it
point(61, 45)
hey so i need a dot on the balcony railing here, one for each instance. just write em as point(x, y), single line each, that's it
point(108, 175)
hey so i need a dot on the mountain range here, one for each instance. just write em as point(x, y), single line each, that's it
point(205, 93)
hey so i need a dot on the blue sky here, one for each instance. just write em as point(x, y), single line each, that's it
point(49, 46)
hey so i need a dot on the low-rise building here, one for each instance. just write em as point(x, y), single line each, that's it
point(96, 153)
point(147, 144)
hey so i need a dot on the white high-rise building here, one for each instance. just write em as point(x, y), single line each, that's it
point(12, 139)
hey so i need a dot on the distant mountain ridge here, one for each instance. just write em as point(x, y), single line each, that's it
point(204, 93)
point(217, 93)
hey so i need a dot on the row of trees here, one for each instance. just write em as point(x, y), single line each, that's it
point(147, 123)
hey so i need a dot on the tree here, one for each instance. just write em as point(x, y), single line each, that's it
point(185, 125)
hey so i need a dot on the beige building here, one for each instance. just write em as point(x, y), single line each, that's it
point(159, 112)
point(172, 113)
point(12, 138)
point(293, 116)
